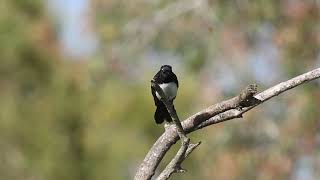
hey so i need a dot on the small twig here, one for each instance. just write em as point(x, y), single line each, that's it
point(175, 163)
point(190, 149)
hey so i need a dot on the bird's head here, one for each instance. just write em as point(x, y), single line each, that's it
point(166, 69)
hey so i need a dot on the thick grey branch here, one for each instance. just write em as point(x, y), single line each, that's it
point(226, 110)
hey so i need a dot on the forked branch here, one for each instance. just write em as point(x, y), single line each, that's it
point(225, 110)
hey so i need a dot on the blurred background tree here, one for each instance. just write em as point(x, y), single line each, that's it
point(75, 76)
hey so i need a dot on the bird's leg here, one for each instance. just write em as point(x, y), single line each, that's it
point(167, 125)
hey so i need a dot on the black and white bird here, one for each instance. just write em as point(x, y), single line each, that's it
point(168, 82)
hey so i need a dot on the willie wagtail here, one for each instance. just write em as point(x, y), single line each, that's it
point(168, 82)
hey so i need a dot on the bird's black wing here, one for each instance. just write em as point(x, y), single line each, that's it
point(157, 79)
point(175, 79)
point(155, 98)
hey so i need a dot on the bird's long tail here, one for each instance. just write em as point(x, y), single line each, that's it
point(162, 114)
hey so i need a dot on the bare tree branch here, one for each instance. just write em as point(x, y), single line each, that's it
point(226, 110)
point(264, 96)
point(244, 99)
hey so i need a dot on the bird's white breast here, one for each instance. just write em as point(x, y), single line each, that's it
point(169, 89)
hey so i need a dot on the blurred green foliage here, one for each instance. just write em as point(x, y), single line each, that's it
point(62, 119)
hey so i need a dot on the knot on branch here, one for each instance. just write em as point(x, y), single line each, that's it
point(246, 97)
